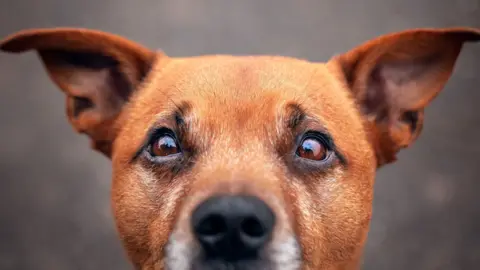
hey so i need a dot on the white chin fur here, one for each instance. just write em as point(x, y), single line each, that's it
point(283, 255)
point(178, 254)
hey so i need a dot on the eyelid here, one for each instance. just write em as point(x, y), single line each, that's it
point(156, 133)
point(157, 159)
point(323, 137)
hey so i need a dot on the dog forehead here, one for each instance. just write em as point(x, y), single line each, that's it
point(239, 76)
point(235, 84)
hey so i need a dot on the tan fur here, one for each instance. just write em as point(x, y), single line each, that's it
point(236, 109)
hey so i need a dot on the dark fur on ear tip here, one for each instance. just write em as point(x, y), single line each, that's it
point(466, 34)
point(16, 42)
point(7, 45)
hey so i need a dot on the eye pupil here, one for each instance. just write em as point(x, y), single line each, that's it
point(165, 146)
point(312, 149)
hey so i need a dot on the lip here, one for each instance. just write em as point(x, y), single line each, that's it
point(239, 265)
point(285, 256)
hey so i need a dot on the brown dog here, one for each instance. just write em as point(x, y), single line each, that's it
point(223, 162)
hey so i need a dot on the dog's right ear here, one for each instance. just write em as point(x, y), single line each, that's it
point(393, 78)
point(97, 71)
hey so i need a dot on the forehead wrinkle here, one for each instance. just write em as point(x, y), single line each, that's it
point(295, 112)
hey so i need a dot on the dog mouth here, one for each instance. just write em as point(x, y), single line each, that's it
point(281, 253)
point(238, 265)
point(278, 256)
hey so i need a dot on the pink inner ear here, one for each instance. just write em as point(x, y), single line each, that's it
point(93, 83)
point(98, 87)
point(402, 85)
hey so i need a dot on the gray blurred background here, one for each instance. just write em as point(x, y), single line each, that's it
point(54, 191)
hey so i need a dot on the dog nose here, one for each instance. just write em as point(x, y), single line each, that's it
point(233, 227)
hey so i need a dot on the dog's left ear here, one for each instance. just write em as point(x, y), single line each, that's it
point(97, 71)
point(394, 77)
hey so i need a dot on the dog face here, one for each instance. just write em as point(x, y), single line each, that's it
point(245, 162)
point(264, 127)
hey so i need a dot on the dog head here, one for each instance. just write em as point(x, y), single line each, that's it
point(224, 162)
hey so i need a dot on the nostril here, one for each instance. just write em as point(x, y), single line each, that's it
point(212, 226)
point(252, 227)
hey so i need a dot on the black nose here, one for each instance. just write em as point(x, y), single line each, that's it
point(233, 227)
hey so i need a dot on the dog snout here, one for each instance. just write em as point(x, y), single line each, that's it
point(233, 227)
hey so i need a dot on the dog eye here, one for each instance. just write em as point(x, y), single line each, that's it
point(163, 146)
point(312, 148)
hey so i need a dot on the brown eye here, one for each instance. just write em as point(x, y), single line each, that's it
point(164, 146)
point(312, 149)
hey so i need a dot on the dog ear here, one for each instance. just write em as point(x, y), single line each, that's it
point(97, 72)
point(394, 77)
